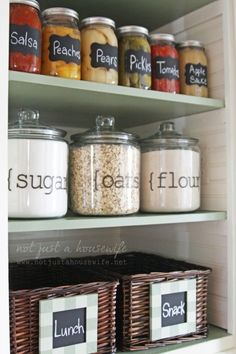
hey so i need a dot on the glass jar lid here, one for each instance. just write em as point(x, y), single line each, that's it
point(168, 136)
point(132, 30)
point(58, 11)
point(190, 43)
point(32, 3)
point(27, 125)
point(156, 37)
point(97, 21)
point(104, 132)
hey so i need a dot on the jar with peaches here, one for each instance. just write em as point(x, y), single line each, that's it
point(61, 43)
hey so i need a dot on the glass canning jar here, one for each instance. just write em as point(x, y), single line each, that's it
point(99, 50)
point(61, 43)
point(25, 36)
point(104, 171)
point(170, 172)
point(193, 68)
point(134, 57)
point(165, 63)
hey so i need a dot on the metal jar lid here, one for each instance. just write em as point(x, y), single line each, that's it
point(132, 30)
point(167, 136)
point(104, 133)
point(32, 3)
point(97, 21)
point(156, 37)
point(27, 126)
point(190, 43)
point(58, 11)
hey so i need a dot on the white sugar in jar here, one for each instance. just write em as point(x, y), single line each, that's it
point(38, 169)
point(170, 172)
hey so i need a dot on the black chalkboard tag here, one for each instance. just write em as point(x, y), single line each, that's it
point(69, 327)
point(64, 48)
point(25, 39)
point(137, 61)
point(104, 56)
point(166, 68)
point(173, 309)
point(196, 74)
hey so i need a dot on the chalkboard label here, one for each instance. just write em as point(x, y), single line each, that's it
point(166, 68)
point(173, 309)
point(137, 61)
point(64, 48)
point(69, 327)
point(196, 74)
point(25, 39)
point(68, 324)
point(104, 56)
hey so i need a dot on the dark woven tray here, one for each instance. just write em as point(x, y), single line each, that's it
point(136, 272)
point(32, 282)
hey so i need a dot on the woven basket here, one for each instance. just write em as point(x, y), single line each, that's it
point(136, 272)
point(32, 282)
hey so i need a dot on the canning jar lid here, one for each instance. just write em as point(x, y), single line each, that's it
point(132, 30)
point(167, 136)
point(32, 3)
point(155, 37)
point(104, 132)
point(97, 21)
point(57, 11)
point(190, 43)
point(27, 125)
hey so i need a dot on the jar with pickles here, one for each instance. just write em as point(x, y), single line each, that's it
point(193, 68)
point(99, 50)
point(134, 57)
point(61, 43)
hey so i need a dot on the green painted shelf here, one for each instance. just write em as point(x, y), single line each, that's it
point(65, 102)
point(86, 222)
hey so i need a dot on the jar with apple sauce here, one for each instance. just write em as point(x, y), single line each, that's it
point(193, 68)
point(170, 172)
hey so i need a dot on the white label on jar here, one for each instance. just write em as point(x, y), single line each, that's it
point(37, 178)
point(170, 181)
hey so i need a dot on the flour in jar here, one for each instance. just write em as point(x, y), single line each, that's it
point(170, 180)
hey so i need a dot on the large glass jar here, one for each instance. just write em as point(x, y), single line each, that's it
point(25, 36)
point(38, 164)
point(99, 50)
point(170, 173)
point(61, 43)
point(165, 63)
point(104, 171)
point(193, 68)
point(134, 57)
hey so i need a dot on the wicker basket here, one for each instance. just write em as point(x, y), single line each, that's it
point(136, 272)
point(32, 282)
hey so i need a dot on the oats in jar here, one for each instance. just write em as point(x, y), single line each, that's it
point(104, 171)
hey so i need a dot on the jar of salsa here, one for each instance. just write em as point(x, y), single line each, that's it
point(61, 43)
point(25, 36)
point(165, 63)
point(193, 68)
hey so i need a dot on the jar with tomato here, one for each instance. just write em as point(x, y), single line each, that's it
point(25, 36)
point(165, 63)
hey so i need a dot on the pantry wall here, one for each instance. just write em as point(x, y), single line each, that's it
point(209, 243)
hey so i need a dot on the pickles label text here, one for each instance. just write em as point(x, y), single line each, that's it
point(166, 68)
point(47, 184)
point(196, 74)
point(104, 56)
point(64, 48)
point(137, 61)
point(25, 39)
